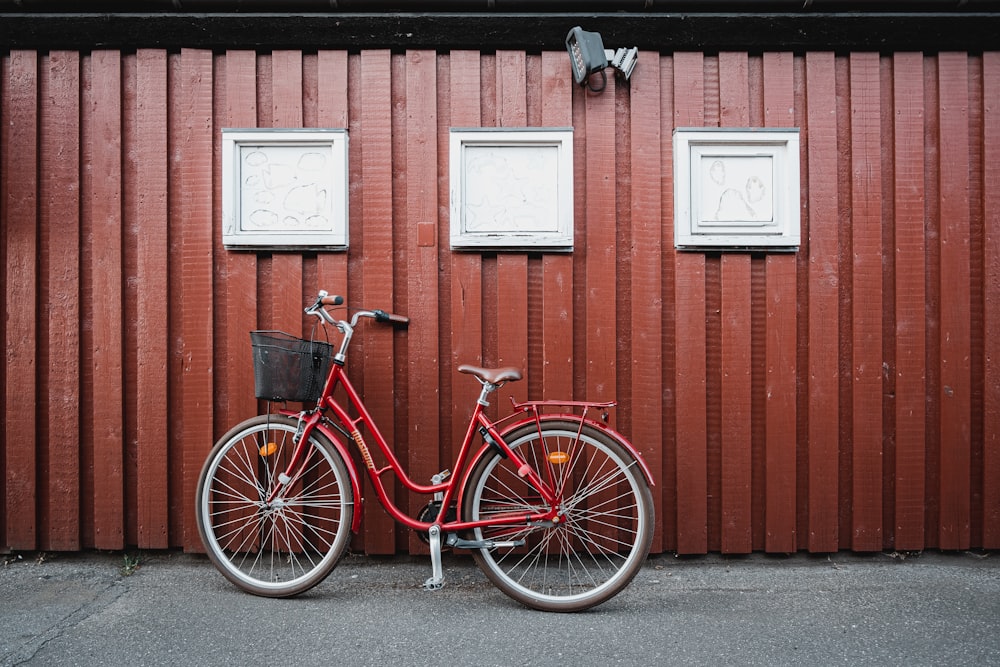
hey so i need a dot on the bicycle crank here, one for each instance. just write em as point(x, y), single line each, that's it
point(430, 513)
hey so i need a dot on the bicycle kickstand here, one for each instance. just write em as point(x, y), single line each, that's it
point(436, 580)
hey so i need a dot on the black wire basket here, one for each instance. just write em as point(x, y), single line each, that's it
point(288, 368)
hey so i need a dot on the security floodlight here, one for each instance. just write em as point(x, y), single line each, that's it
point(588, 56)
point(586, 53)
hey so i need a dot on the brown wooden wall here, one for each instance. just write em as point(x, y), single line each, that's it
point(846, 396)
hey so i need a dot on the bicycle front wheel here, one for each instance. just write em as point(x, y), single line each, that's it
point(289, 545)
point(605, 527)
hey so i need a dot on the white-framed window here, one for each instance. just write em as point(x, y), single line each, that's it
point(284, 189)
point(511, 188)
point(736, 189)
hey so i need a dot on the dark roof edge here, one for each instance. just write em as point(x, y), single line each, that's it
point(489, 6)
point(664, 32)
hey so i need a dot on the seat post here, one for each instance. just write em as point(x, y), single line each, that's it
point(487, 389)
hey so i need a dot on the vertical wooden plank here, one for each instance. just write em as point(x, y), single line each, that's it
point(401, 254)
point(557, 268)
point(130, 294)
point(86, 306)
point(668, 348)
point(466, 268)
point(866, 302)
point(600, 285)
point(197, 378)
point(977, 288)
point(646, 266)
point(104, 201)
point(512, 267)
point(20, 194)
point(151, 376)
point(781, 332)
point(446, 375)
point(173, 395)
point(824, 329)
point(60, 213)
point(842, 83)
point(601, 253)
point(332, 112)
point(239, 295)
point(43, 324)
point(690, 367)
point(932, 285)
point(736, 340)
point(955, 391)
point(991, 316)
point(422, 269)
point(911, 381)
point(377, 289)
point(286, 267)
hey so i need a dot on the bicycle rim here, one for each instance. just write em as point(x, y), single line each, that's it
point(604, 533)
point(286, 547)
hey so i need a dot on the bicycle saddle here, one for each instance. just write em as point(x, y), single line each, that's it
point(492, 375)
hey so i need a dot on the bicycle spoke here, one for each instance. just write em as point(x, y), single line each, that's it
point(609, 478)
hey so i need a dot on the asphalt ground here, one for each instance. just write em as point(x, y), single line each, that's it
point(176, 609)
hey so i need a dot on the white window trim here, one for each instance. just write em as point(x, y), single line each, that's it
point(695, 229)
point(552, 231)
point(241, 231)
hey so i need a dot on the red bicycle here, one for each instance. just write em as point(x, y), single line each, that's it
point(554, 505)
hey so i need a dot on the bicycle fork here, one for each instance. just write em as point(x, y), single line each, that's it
point(298, 460)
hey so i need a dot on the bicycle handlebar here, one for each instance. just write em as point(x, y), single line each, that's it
point(379, 315)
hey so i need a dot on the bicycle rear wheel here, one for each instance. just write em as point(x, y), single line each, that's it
point(289, 546)
point(606, 526)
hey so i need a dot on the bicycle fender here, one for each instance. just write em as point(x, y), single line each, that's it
point(352, 471)
point(600, 426)
point(521, 423)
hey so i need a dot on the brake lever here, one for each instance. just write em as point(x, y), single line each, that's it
point(318, 309)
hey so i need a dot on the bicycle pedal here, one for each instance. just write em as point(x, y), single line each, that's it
point(458, 543)
point(506, 544)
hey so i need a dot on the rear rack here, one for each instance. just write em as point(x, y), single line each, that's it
point(539, 407)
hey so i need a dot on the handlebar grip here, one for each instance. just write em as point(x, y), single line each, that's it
point(332, 300)
point(392, 318)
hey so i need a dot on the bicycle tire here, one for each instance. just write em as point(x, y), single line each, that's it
point(287, 548)
point(605, 532)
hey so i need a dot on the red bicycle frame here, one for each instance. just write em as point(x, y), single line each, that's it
point(529, 412)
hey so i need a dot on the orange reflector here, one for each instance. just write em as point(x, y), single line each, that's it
point(558, 458)
point(268, 449)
